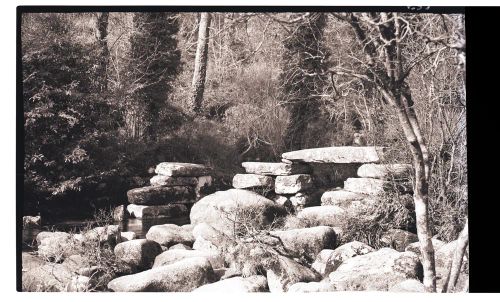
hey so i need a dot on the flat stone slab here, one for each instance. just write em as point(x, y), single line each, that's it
point(384, 171)
point(161, 195)
point(264, 168)
point(247, 181)
point(181, 169)
point(340, 198)
point(369, 186)
point(145, 212)
point(344, 154)
point(292, 184)
point(163, 180)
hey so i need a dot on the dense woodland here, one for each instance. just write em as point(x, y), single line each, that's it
point(107, 96)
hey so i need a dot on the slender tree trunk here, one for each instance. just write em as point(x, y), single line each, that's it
point(102, 27)
point(200, 64)
point(456, 264)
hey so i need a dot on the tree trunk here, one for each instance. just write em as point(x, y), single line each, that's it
point(102, 27)
point(200, 64)
point(456, 264)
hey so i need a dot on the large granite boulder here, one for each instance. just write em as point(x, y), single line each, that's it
point(174, 255)
point(291, 184)
point(170, 234)
point(211, 235)
point(223, 210)
point(139, 254)
point(148, 212)
point(308, 241)
point(322, 215)
point(106, 234)
point(182, 276)
point(341, 155)
point(341, 198)
point(379, 270)
point(181, 169)
point(248, 181)
point(250, 284)
point(369, 186)
point(285, 272)
point(161, 195)
point(55, 246)
point(328, 260)
point(385, 171)
point(53, 277)
point(263, 168)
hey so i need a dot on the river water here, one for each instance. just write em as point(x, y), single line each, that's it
point(139, 226)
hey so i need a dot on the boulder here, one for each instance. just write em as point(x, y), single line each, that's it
point(161, 195)
point(223, 210)
point(170, 234)
point(120, 213)
point(30, 261)
point(398, 239)
point(379, 270)
point(32, 221)
point(182, 276)
point(80, 265)
point(126, 236)
point(201, 244)
point(340, 198)
point(341, 155)
point(311, 287)
point(285, 272)
point(205, 235)
point(174, 255)
point(327, 260)
point(263, 168)
point(250, 284)
point(180, 246)
point(53, 277)
point(292, 184)
point(322, 215)
point(415, 246)
point(170, 181)
point(139, 254)
point(106, 234)
point(148, 212)
point(408, 286)
point(248, 181)
point(385, 171)
point(56, 246)
point(308, 241)
point(181, 169)
point(369, 186)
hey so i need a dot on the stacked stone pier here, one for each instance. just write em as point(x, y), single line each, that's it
point(173, 190)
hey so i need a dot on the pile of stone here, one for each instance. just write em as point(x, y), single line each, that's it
point(175, 188)
point(286, 183)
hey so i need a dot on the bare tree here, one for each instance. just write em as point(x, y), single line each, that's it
point(458, 256)
point(102, 28)
point(200, 66)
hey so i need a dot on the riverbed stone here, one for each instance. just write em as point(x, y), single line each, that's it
point(174, 255)
point(161, 195)
point(379, 270)
point(139, 254)
point(342, 154)
point(308, 241)
point(181, 169)
point(249, 181)
point(182, 276)
point(266, 168)
point(292, 184)
point(147, 212)
point(398, 239)
point(56, 246)
point(53, 277)
point(285, 272)
point(385, 171)
point(369, 186)
point(328, 260)
point(223, 209)
point(251, 284)
point(106, 234)
point(341, 198)
point(164, 180)
point(170, 234)
point(323, 215)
